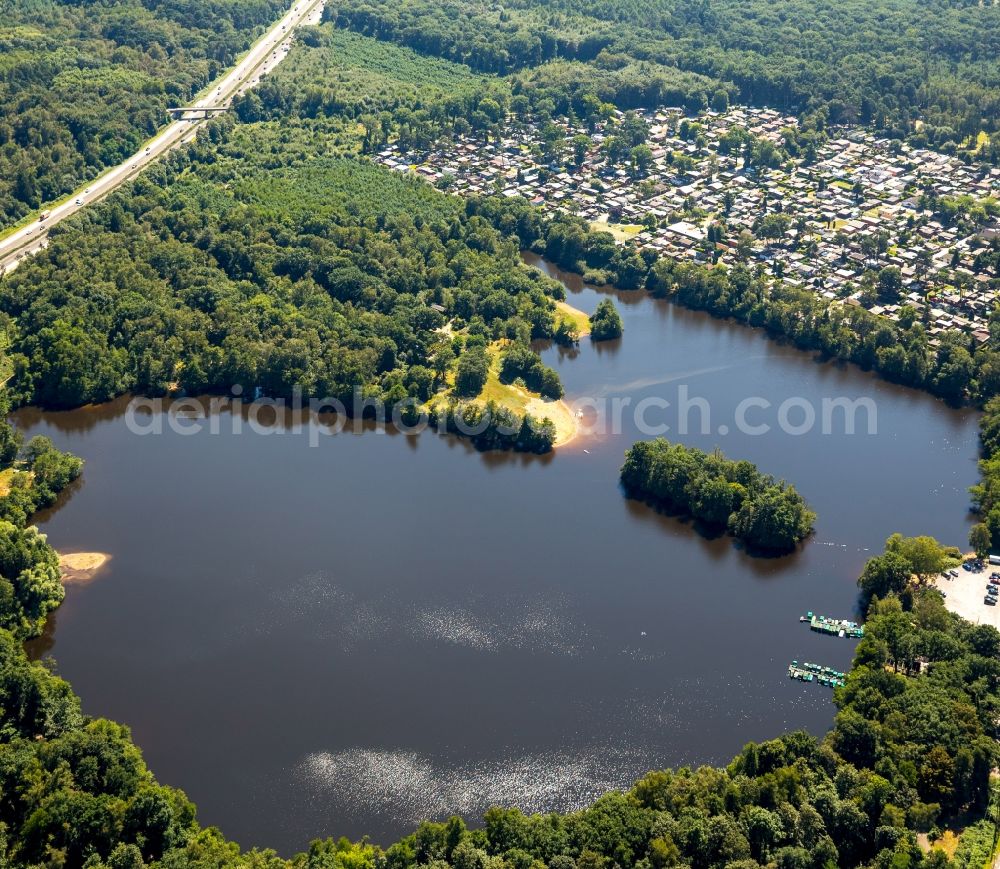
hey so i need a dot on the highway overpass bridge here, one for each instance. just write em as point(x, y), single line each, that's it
point(194, 113)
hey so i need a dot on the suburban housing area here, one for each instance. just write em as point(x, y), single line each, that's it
point(907, 233)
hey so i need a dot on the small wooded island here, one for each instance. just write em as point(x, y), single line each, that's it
point(765, 514)
point(605, 322)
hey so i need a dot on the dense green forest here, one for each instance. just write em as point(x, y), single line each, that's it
point(341, 79)
point(83, 84)
point(254, 261)
point(986, 494)
point(888, 64)
point(719, 492)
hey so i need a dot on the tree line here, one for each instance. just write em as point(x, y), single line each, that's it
point(33, 475)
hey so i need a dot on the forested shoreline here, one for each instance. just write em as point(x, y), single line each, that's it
point(327, 276)
point(957, 370)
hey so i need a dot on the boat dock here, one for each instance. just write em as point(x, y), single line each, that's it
point(807, 672)
point(834, 627)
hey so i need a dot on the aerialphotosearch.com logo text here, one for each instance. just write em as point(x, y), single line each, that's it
point(650, 416)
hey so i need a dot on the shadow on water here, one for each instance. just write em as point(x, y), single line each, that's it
point(62, 500)
point(610, 347)
point(285, 419)
point(73, 422)
point(715, 541)
point(41, 646)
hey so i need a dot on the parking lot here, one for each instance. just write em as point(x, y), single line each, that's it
point(965, 595)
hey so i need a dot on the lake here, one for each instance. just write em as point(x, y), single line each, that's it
point(346, 638)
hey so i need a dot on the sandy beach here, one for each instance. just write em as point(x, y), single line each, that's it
point(81, 566)
point(561, 415)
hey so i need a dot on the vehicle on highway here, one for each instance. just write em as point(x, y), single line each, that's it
point(42, 216)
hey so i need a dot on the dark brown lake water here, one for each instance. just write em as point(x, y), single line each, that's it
point(348, 638)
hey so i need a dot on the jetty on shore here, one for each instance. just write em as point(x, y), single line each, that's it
point(807, 672)
point(834, 627)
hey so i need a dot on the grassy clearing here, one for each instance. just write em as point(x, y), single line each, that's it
point(520, 400)
point(5, 477)
point(505, 394)
point(329, 183)
point(621, 231)
point(580, 320)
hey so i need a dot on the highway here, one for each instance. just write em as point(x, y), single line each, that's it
point(266, 54)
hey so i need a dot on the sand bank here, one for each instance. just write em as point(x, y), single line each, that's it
point(561, 415)
point(81, 566)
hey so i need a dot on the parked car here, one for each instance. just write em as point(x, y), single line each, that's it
point(990, 601)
